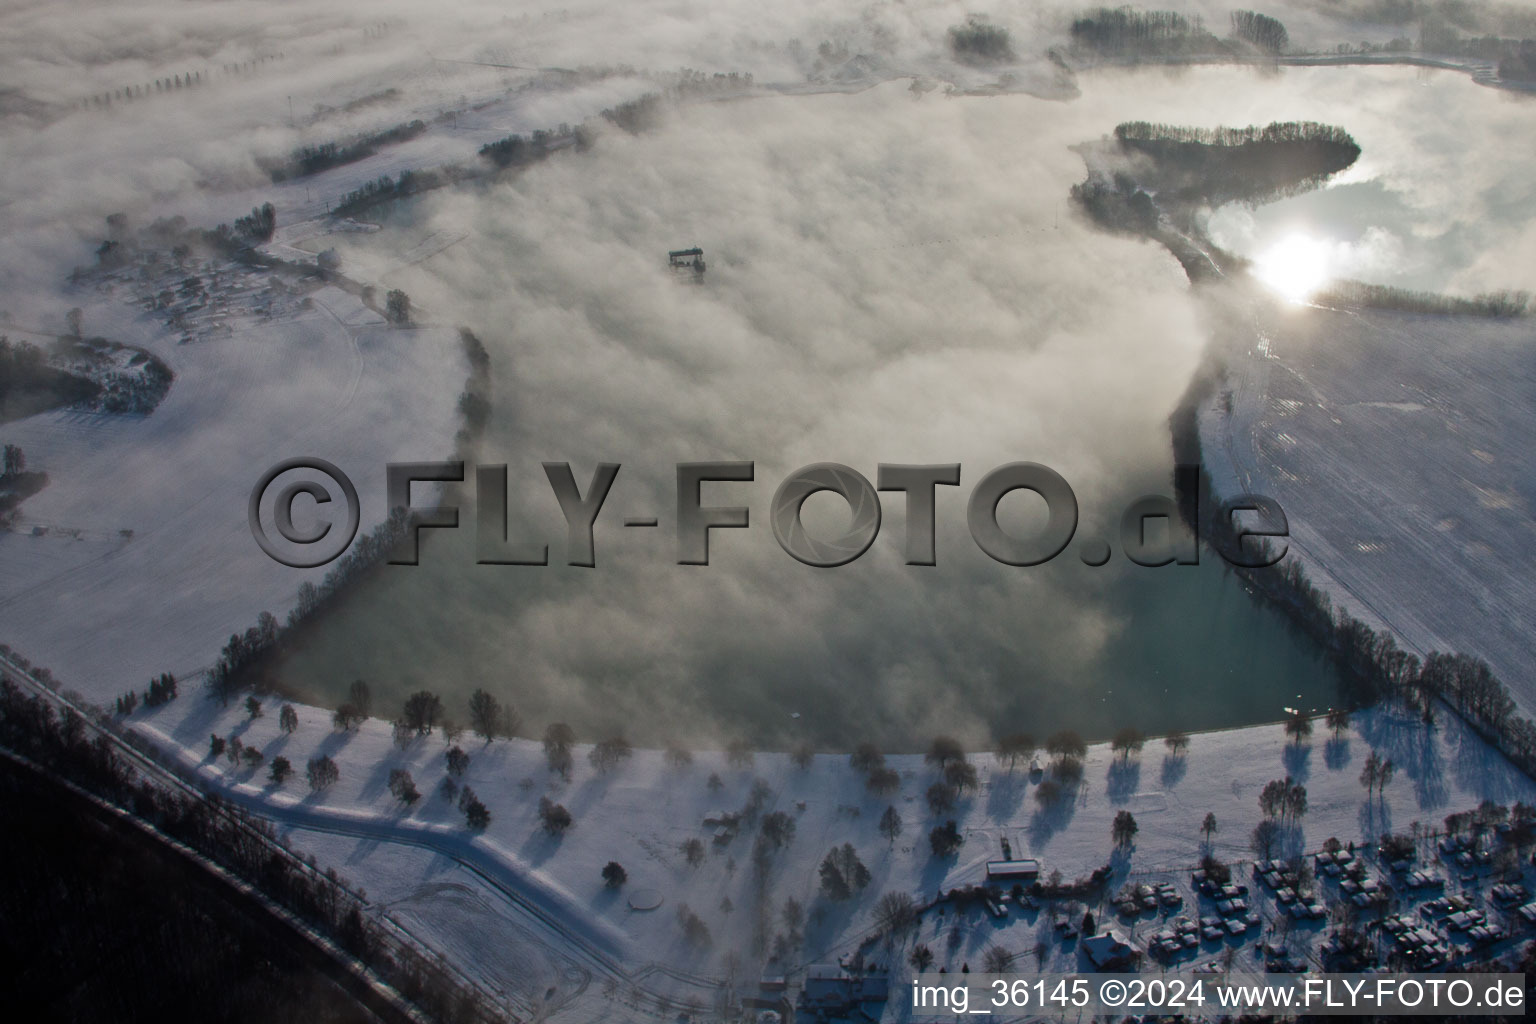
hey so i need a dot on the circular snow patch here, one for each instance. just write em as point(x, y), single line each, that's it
point(645, 899)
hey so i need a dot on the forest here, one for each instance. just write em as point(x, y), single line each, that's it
point(134, 910)
point(323, 156)
point(1252, 164)
point(29, 385)
point(1126, 31)
point(96, 764)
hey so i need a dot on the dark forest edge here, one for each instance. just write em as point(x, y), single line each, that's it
point(91, 373)
point(87, 753)
point(136, 905)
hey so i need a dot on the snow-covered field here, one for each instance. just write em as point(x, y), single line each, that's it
point(137, 558)
point(1397, 445)
point(1394, 443)
point(465, 893)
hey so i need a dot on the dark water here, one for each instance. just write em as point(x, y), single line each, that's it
point(1194, 651)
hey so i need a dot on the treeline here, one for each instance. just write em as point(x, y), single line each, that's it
point(1264, 32)
point(475, 399)
point(1216, 165)
point(1442, 39)
point(1497, 305)
point(259, 225)
point(386, 187)
point(28, 385)
point(229, 674)
point(1520, 65)
point(1275, 132)
point(235, 242)
point(307, 160)
point(69, 747)
point(644, 113)
point(1126, 31)
point(637, 115)
point(241, 662)
point(518, 151)
point(980, 42)
point(171, 83)
point(362, 102)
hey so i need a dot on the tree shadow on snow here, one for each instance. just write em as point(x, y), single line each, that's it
point(1122, 780)
point(1173, 770)
point(1336, 754)
point(1375, 818)
point(1401, 737)
point(1005, 795)
point(199, 723)
point(1298, 761)
point(1049, 819)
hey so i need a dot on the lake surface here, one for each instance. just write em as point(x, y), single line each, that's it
point(890, 280)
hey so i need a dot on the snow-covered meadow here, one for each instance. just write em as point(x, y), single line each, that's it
point(137, 558)
point(459, 889)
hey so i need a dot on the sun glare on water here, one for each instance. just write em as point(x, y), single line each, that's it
point(1296, 266)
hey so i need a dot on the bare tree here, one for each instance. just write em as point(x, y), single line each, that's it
point(402, 787)
point(607, 754)
point(891, 824)
point(961, 776)
point(866, 758)
point(488, 717)
point(895, 913)
point(1126, 742)
point(883, 781)
point(1298, 726)
point(558, 739)
point(554, 818)
point(943, 750)
point(1015, 747)
point(421, 711)
point(996, 960)
point(1123, 830)
point(322, 772)
point(1066, 744)
point(360, 697)
point(1263, 838)
point(941, 798)
point(738, 754)
point(921, 958)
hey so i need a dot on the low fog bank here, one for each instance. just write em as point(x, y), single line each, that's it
point(88, 129)
point(890, 280)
